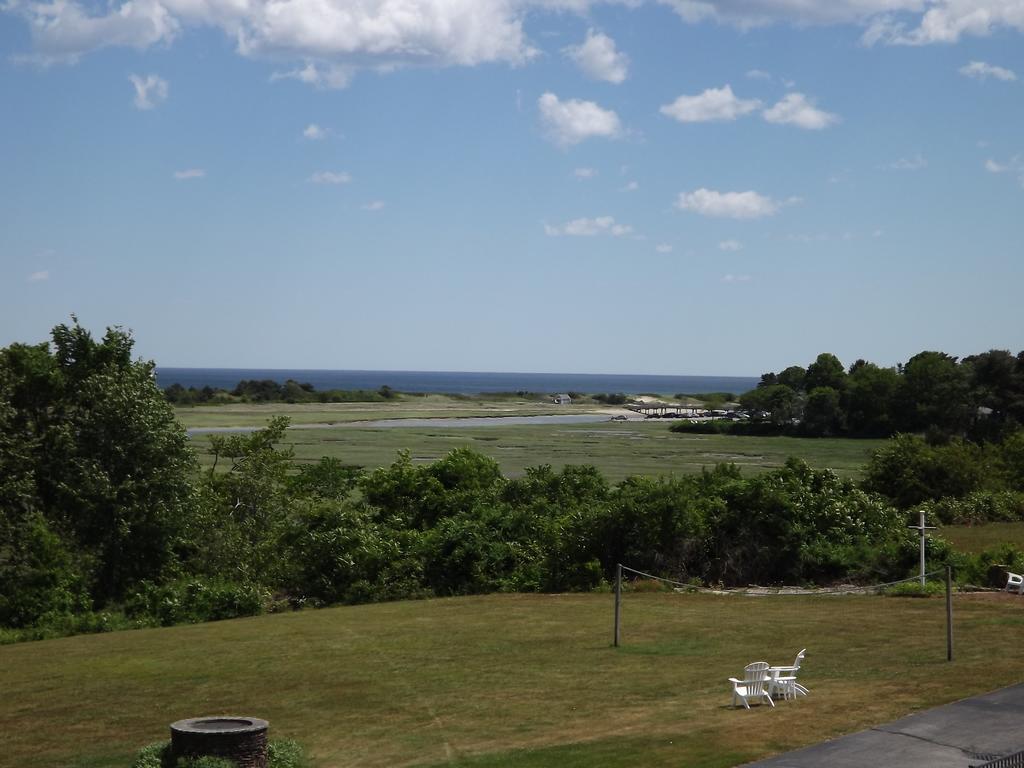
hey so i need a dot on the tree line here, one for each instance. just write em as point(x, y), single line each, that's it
point(109, 521)
point(270, 391)
point(980, 396)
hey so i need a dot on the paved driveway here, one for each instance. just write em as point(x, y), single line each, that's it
point(958, 735)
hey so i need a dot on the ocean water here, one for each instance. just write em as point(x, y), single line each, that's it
point(460, 382)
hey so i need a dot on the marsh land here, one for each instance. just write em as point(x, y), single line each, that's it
point(618, 448)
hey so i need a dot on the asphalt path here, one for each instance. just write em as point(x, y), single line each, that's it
point(959, 735)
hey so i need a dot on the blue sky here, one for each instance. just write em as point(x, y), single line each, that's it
point(659, 186)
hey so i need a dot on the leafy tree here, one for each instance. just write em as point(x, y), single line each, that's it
point(933, 394)
point(825, 371)
point(780, 402)
point(908, 471)
point(997, 384)
point(111, 464)
point(794, 377)
point(867, 399)
point(823, 415)
point(244, 505)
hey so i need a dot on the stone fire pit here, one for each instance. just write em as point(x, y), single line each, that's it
point(242, 739)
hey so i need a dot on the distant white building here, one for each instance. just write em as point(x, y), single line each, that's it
point(561, 400)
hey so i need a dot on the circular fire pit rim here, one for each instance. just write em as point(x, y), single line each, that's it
point(246, 724)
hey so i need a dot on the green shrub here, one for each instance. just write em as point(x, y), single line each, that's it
point(284, 753)
point(195, 600)
point(281, 753)
point(977, 508)
point(914, 589)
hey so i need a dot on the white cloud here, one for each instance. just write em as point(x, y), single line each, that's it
point(585, 173)
point(1015, 165)
point(631, 186)
point(731, 205)
point(385, 34)
point(598, 59)
point(388, 33)
point(314, 132)
point(326, 76)
point(189, 173)
point(377, 34)
point(374, 205)
point(758, 74)
point(979, 70)
point(663, 248)
point(149, 91)
point(570, 122)
point(730, 245)
point(330, 177)
point(795, 109)
point(736, 278)
point(943, 21)
point(602, 225)
point(894, 22)
point(63, 30)
point(915, 163)
point(713, 104)
point(40, 276)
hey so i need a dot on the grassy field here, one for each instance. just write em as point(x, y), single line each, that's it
point(408, 407)
point(978, 538)
point(618, 449)
point(507, 680)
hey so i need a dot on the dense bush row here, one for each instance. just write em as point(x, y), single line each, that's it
point(981, 396)
point(909, 471)
point(108, 521)
point(270, 391)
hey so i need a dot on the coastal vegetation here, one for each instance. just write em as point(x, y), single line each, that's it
point(980, 396)
point(114, 519)
point(111, 521)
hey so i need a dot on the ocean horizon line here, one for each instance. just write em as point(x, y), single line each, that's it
point(445, 371)
point(458, 382)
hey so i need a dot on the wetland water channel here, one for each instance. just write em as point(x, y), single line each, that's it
point(469, 421)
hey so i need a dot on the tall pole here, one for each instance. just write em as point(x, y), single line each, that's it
point(921, 527)
point(618, 600)
point(949, 613)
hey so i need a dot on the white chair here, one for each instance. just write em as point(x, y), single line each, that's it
point(1014, 582)
point(753, 685)
point(783, 679)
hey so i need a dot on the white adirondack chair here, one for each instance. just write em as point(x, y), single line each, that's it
point(783, 679)
point(1014, 583)
point(754, 684)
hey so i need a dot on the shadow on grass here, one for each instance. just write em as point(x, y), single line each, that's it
point(695, 750)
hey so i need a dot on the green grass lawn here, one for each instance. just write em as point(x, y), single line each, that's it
point(978, 538)
point(618, 449)
point(508, 680)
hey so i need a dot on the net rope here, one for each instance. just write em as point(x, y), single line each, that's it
point(755, 591)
